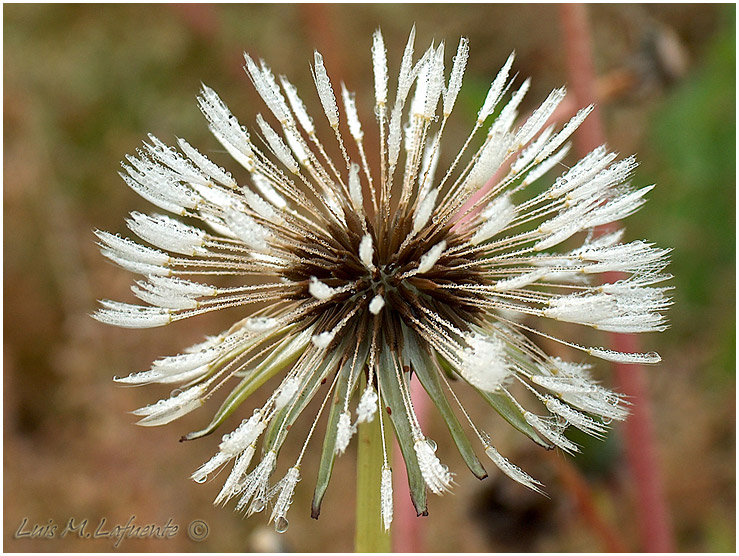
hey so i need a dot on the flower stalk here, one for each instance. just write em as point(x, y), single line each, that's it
point(370, 534)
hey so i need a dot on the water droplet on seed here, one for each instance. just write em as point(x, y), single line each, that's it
point(200, 480)
point(281, 524)
point(432, 444)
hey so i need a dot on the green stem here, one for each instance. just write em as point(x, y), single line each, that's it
point(370, 535)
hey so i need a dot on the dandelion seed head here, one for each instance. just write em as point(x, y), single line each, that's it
point(348, 275)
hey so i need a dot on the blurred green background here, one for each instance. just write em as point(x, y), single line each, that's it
point(82, 87)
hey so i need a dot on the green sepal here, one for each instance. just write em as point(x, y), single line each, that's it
point(392, 397)
point(426, 371)
point(276, 433)
point(328, 454)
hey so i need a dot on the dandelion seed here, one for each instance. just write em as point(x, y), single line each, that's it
point(367, 406)
point(245, 435)
point(437, 476)
point(484, 362)
point(233, 484)
point(319, 290)
point(285, 489)
point(386, 497)
point(323, 339)
point(287, 392)
point(254, 492)
point(513, 471)
point(169, 409)
point(426, 207)
point(429, 259)
point(414, 277)
point(376, 305)
point(366, 252)
point(344, 432)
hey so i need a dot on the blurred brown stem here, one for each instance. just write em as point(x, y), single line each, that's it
point(641, 451)
point(579, 489)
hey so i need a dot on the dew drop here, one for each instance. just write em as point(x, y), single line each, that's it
point(257, 506)
point(200, 480)
point(175, 392)
point(432, 444)
point(281, 524)
point(607, 420)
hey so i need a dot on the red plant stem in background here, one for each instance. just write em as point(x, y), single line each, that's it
point(201, 19)
point(583, 495)
point(641, 452)
point(581, 73)
point(319, 24)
